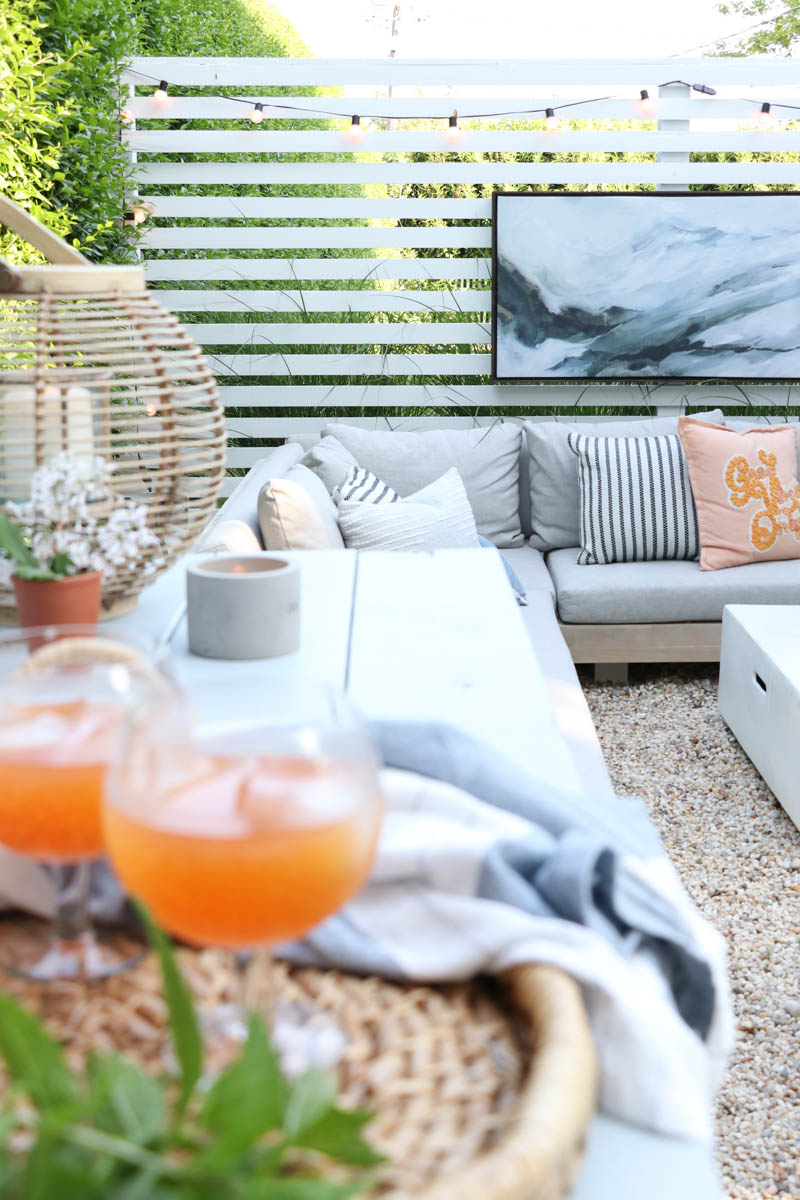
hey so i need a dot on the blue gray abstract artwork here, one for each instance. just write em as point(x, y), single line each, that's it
point(606, 286)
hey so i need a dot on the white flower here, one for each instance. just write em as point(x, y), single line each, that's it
point(74, 511)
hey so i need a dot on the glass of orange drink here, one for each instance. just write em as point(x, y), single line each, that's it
point(247, 829)
point(63, 695)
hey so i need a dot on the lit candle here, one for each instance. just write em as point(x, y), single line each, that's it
point(34, 427)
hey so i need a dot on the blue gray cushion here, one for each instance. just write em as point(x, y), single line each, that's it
point(519, 591)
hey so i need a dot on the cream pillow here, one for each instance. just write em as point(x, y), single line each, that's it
point(438, 517)
point(234, 537)
point(295, 512)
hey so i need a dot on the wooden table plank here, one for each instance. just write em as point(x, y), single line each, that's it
point(440, 638)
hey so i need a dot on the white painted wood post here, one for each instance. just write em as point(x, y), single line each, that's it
point(679, 91)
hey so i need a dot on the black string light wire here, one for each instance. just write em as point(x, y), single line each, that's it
point(356, 129)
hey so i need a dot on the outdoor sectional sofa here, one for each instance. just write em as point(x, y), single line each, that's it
point(608, 615)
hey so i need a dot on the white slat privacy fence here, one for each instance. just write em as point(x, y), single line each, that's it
point(326, 276)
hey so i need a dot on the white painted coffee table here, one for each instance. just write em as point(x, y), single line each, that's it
point(433, 637)
point(759, 692)
point(438, 638)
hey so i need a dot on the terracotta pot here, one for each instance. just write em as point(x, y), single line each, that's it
point(71, 601)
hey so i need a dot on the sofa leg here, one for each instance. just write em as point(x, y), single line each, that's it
point(611, 672)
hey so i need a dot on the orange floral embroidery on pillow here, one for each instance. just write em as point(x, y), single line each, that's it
point(781, 511)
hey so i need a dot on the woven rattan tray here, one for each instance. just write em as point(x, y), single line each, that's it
point(483, 1090)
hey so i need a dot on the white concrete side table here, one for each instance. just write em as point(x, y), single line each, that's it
point(759, 692)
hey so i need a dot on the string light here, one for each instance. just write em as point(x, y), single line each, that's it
point(356, 130)
point(765, 116)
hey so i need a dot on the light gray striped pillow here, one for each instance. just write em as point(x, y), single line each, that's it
point(363, 485)
point(636, 499)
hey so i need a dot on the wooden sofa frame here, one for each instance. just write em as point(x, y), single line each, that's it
point(611, 647)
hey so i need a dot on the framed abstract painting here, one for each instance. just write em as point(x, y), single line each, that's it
point(646, 286)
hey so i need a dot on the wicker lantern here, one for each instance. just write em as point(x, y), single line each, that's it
point(92, 364)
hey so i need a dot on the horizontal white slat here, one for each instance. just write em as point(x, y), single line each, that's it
point(325, 108)
point(389, 333)
point(458, 172)
point(302, 72)
point(327, 207)
point(450, 301)
point(284, 237)
point(565, 395)
point(362, 269)
point(410, 363)
point(373, 140)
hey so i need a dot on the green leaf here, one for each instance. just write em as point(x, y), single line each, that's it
point(182, 1016)
point(250, 1097)
point(141, 1186)
point(338, 1134)
point(54, 1170)
point(23, 572)
point(33, 1057)
point(310, 1098)
point(13, 543)
point(300, 1189)
point(125, 1099)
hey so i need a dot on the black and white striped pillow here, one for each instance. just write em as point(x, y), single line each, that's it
point(636, 499)
point(361, 484)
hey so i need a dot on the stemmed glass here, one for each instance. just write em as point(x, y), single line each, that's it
point(246, 831)
point(63, 694)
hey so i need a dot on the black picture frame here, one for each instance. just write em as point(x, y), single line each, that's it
point(588, 379)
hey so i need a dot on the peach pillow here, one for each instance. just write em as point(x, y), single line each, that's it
point(746, 491)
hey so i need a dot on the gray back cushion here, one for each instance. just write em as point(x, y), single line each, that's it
point(555, 489)
point(487, 459)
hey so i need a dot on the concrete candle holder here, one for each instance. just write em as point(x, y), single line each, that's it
point(243, 606)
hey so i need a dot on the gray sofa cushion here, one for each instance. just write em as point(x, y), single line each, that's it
point(529, 566)
point(646, 592)
point(330, 461)
point(555, 492)
point(570, 709)
point(487, 459)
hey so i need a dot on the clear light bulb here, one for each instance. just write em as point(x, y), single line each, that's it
point(356, 129)
point(550, 120)
point(765, 116)
point(139, 213)
point(453, 132)
point(257, 115)
point(160, 94)
point(645, 101)
point(126, 116)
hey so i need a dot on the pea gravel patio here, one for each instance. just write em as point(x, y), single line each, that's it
point(739, 856)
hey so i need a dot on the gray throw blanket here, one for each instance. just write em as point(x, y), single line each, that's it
point(481, 867)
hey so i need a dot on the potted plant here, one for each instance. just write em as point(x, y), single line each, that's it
point(57, 547)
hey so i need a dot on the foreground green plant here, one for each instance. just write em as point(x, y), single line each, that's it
point(117, 1133)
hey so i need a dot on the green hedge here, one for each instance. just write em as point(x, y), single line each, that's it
point(60, 151)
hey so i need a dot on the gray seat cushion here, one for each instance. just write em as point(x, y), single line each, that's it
point(570, 709)
point(645, 592)
point(530, 568)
